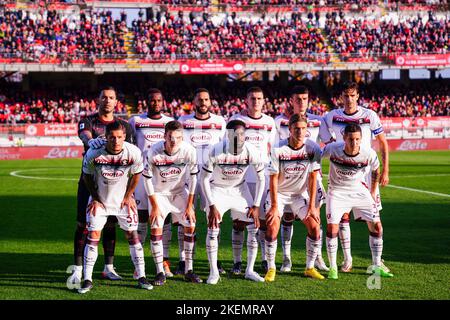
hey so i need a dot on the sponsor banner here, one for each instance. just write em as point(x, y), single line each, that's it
point(416, 144)
point(51, 129)
point(19, 153)
point(419, 122)
point(198, 67)
point(423, 60)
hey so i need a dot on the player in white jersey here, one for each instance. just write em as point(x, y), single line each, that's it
point(202, 129)
point(370, 123)
point(348, 190)
point(169, 165)
point(149, 129)
point(260, 132)
point(111, 174)
point(294, 167)
point(223, 183)
point(316, 132)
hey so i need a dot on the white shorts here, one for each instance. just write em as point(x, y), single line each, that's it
point(362, 204)
point(252, 188)
point(320, 195)
point(295, 204)
point(238, 200)
point(141, 195)
point(128, 220)
point(175, 204)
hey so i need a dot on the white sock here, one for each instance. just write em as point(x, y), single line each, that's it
point(142, 231)
point(252, 247)
point(189, 250)
point(345, 237)
point(78, 270)
point(262, 239)
point(286, 237)
point(157, 253)
point(137, 256)
point(376, 247)
point(319, 253)
point(271, 251)
point(167, 237)
point(237, 241)
point(108, 267)
point(90, 257)
point(332, 246)
point(212, 248)
point(312, 248)
point(181, 243)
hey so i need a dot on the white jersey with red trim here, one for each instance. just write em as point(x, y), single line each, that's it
point(202, 134)
point(367, 119)
point(111, 172)
point(168, 172)
point(148, 131)
point(348, 173)
point(294, 166)
point(228, 170)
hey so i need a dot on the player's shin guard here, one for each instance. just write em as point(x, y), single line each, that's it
point(252, 247)
point(109, 243)
point(167, 237)
point(157, 252)
point(212, 248)
point(271, 251)
point(286, 238)
point(332, 245)
point(376, 247)
point(262, 239)
point(312, 249)
point(345, 237)
point(137, 256)
point(189, 242)
point(237, 241)
point(181, 243)
point(78, 245)
point(90, 257)
point(142, 231)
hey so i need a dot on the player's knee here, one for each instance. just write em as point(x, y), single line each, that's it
point(376, 229)
point(332, 230)
point(345, 218)
point(262, 225)
point(314, 232)
point(238, 225)
point(272, 230)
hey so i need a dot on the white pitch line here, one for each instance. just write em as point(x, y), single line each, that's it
point(16, 174)
point(418, 190)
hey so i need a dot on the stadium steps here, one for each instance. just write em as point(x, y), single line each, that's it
point(334, 58)
point(131, 61)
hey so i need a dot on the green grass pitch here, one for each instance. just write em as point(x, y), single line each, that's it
point(38, 223)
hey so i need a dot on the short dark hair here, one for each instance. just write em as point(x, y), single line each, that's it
point(297, 117)
point(254, 89)
point(172, 126)
point(299, 90)
point(109, 88)
point(233, 124)
point(115, 125)
point(200, 90)
point(353, 127)
point(153, 91)
point(350, 85)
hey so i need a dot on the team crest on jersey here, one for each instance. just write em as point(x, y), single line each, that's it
point(112, 173)
point(201, 137)
point(171, 172)
point(154, 136)
point(295, 168)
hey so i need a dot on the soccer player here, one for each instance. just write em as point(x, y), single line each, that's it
point(91, 131)
point(169, 164)
point(148, 130)
point(111, 174)
point(202, 129)
point(294, 168)
point(223, 183)
point(348, 190)
point(316, 132)
point(260, 132)
point(370, 123)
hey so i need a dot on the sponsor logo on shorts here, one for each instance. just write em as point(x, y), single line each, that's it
point(154, 136)
point(171, 172)
point(232, 172)
point(112, 174)
point(201, 137)
point(296, 168)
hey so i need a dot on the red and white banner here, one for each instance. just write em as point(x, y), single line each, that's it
point(19, 153)
point(416, 144)
point(420, 122)
point(51, 129)
point(198, 67)
point(423, 60)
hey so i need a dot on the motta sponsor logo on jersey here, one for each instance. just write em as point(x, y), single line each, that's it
point(170, 172)
point(201, 137)
point(297, 168)
point(154, 136)
point(255, 137)
point(112, 174)
point(346, 173)
point(229, 172)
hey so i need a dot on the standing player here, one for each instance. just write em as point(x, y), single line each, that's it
point(224, 186)
point(149, 129)
point(111, 174)
point(167, 164)
point(91, 131)
point(347, 190)
point(294, 168)
point(202, 129)
point(370, 123)
point(316, 132)
point(260, 132)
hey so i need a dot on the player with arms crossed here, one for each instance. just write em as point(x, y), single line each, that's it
point(223, 183)
point(167, 164)
point(370, 124)
point(347, 190)
point(294, 168)
point(111, 174)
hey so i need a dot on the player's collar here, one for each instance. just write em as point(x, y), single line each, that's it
point(351, 114)
point(253, 117)
point(209, 117)
point(113, 154)
point(153, 116)
point(295, 149)
point(349, 155)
